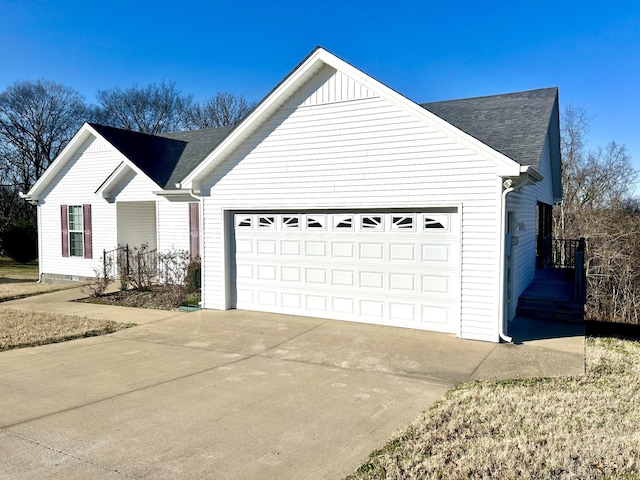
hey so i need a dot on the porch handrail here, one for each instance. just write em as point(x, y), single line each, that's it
point(561, 252)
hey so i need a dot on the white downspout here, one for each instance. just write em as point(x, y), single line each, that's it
point(503, 222)
point(197, 197)
point(39, 227)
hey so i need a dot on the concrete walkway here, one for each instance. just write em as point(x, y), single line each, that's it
point(236, 394)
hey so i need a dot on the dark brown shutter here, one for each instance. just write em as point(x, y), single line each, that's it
point(194, 229)
point(86, 224)
point(64, 221)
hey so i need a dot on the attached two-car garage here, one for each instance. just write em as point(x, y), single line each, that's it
point(398, 268)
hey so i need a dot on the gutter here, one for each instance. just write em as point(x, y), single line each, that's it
point(503, 234)
point(528, 176)
point(27, 197)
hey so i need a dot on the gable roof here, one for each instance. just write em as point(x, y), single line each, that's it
point(515, 124)
point(508, 129)
point(165, 158)
point(314, 62)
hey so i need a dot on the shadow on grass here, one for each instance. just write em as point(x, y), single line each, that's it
point(596, 328)
point(6, 280)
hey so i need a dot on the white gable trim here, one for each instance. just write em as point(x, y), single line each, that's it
point(85, 132)
point(112, 181)
point(309, 67)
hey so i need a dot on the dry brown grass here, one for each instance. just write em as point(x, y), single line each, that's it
point(19, 328)
point(20, 280)
point(551, 428)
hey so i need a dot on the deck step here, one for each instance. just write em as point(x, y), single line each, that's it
point(548, 309)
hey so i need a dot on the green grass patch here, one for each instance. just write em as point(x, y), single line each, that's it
point(561, 428)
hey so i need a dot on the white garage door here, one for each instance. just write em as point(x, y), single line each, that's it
point(392, 268)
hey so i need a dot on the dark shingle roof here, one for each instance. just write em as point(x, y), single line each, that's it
point(168, 158)
point(199, 144)
point(515, 124)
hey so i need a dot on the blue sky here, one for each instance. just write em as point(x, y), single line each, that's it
point(426, 50)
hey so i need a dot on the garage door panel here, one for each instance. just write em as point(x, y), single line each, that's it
point(402, 252)
point(435, 315)
point(343, 278)
point(290, 247)
point(437, 254)
point(437, 284)
point(342, 250)
point(372, 309)
point(402, 282)
point(266, 247)
point(316, 303)
point(291, 274)
point(343, 306)
point(316, 275)
point(378, 267)
point(371, 251)
point(373, 280)
point(315, 249)
point(291, 300)
point(404, 312)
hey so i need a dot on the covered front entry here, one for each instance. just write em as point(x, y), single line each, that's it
point(137, 224)
point(398, 268)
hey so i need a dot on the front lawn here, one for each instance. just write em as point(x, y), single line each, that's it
point(19, 280)
point(20, 328)
point(546, 428)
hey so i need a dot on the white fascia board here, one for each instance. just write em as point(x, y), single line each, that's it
point(531, 173)
point(178, 195)
point(114, 178)
point(313, 63)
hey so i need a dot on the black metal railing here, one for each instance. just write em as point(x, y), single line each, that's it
point(561, 252)
point(124, 261)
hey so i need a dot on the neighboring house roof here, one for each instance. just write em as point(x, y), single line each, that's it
point(515, 124)
point(165, 158)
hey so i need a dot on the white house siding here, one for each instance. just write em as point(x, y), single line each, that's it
point(173, 225)
point(524, 203)
point(76, 184)
point(135, 188)
point(361, 153)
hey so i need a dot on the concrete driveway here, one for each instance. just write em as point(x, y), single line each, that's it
point(233, 395)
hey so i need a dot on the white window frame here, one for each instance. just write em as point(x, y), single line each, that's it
point(77, 231)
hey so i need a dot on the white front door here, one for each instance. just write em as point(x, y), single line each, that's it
point(392, 268)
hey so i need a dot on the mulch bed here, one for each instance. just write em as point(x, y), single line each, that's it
point(157, 297)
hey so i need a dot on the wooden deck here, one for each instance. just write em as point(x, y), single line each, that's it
point(551, 297)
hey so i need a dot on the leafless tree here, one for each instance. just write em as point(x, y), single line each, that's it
point(223, 109)
point(598, 204)
point(37, 119)
point(593, 181)
point(153, 109)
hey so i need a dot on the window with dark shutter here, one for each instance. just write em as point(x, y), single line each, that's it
point(64, 220)
point(86, 217)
